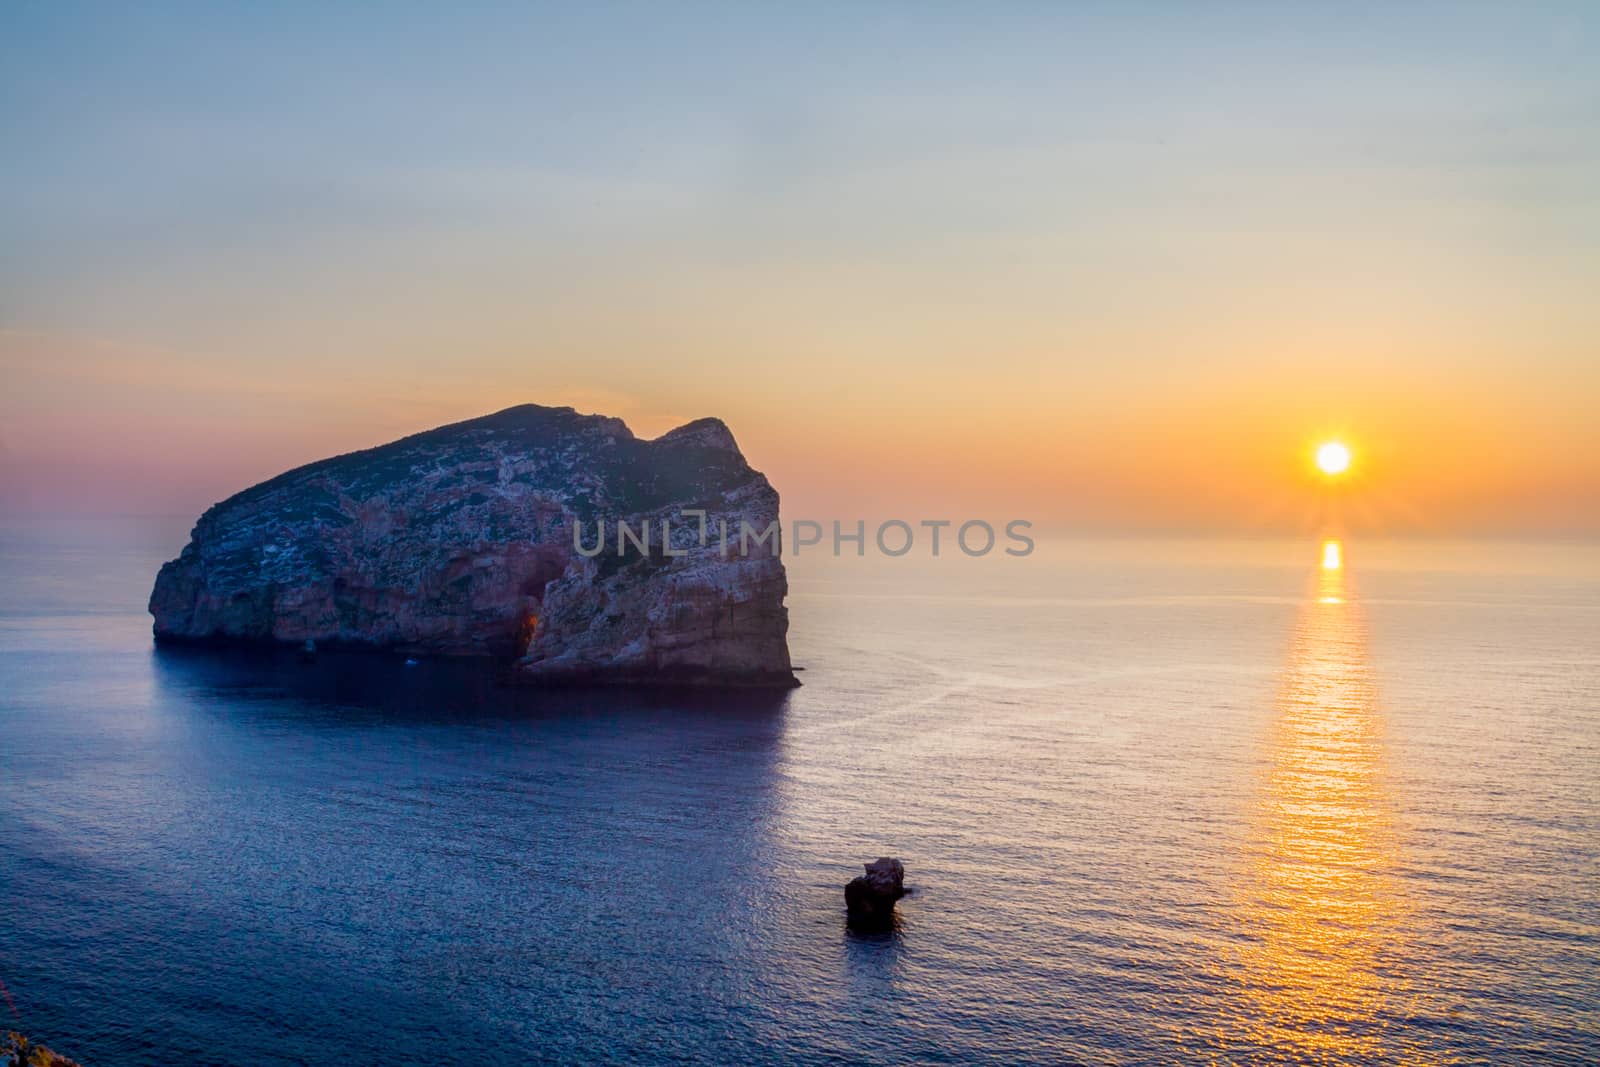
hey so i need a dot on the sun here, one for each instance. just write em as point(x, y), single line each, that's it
point(1333, 458)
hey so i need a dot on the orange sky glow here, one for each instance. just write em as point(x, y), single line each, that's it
point(1005, 286)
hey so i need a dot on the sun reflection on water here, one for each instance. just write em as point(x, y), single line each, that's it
point(1332, 556)
point(1320, 907)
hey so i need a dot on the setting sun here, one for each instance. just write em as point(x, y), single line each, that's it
point(1333, 458)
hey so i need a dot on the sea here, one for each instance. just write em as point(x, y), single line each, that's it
point(1159, 801)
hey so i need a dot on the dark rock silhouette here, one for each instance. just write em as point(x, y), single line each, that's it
point(869, 898)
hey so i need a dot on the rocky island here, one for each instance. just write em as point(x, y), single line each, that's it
point(465, 540)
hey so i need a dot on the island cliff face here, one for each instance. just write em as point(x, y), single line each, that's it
point(460, 541)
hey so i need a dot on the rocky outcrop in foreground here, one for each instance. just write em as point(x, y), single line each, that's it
point(460, 541)
point(869, 898)
point(19, 1051)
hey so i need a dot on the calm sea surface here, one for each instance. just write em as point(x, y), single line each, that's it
point(1160, 801)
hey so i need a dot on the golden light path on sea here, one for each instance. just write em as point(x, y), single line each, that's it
point(1322, 911)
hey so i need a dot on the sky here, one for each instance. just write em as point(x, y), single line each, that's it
point(1105, 267)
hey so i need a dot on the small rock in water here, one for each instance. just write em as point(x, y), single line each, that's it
point(869, 898)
